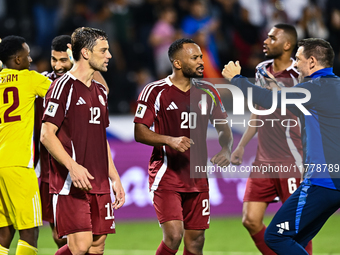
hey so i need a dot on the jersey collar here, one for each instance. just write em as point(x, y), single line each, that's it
point(322, 72)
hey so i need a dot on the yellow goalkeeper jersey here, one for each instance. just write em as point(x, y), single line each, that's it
point(18, 90)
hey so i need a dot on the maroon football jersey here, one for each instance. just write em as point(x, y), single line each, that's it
point(81, 114)
point(41, 153)
point(280, 143)
point(167, 110)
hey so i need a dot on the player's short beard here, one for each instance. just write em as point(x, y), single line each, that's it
point(97, 67)
point(188, 73)
point(57, 72)
point(274, 55)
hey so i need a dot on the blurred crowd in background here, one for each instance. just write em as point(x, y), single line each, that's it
point(140, 32)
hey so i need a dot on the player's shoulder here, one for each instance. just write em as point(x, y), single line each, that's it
point(24, 76)
point(205, 86)
point(23, 72)
point(265, 63)
point(62, 85)
point(100, 86)
point(292, 70)
point(51, 75)
point(200, 83)
point(154, 88)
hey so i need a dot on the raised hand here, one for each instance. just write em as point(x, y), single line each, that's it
point(231, 69)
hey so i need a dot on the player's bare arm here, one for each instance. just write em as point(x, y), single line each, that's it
point(144, 135)
point(117, 186)
point(79, 175)
point(225, 138)
point(237, 155)
point(231, 69)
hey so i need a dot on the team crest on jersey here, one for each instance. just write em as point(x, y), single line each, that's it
point(101, 100)
point(51, 109)
point(200, 105)
point(140, 111)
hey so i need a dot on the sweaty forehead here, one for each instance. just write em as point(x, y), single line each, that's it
point(299, 52)
point(26, 47)
point(190, 49)
point(276, 32)
point(59, 54)
point(101, 43)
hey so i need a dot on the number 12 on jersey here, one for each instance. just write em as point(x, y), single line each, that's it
point(95, 114)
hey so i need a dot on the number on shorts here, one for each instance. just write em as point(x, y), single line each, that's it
point(205, 205)
point(291, 185)
point(109, 210)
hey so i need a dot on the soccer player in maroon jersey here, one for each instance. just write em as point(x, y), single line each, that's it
point(169, 118)
point(277, 145)
point(60, 63)
point(73, 131)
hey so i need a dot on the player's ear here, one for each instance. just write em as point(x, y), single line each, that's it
point(312, 62)
point(287, 46)
point(177, 64)
point(85, 53)
point(17, 60)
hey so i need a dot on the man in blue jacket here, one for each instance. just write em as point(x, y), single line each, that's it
point(305, 212)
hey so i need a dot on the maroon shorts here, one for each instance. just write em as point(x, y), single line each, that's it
point(84, 212)
point(46, 202)
point(272, 186)
point(191, 208)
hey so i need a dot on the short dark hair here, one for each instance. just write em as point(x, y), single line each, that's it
point(9, 46)
point(318, 48)
point(60, 42)
point(290, 31)
point(85, 37)
point(176, 46)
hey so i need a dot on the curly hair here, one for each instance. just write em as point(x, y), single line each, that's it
point(176, 46)
point(60, 42)
point(9, 46)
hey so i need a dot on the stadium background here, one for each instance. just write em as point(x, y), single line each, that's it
point(225, 30)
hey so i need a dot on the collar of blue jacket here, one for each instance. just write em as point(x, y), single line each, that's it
point(322, 72)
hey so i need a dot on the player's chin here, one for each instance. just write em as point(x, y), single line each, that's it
point(199, 75)
point(103, 69)
point(60, 74)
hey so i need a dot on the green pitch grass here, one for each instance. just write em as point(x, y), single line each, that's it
point(226, 236)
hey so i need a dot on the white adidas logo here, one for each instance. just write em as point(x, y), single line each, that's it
point(172, 106)
point(283, 226)
point(80, 101)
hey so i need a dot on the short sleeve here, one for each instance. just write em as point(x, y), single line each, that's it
point(41, 83)
point(145, 113)
point(56, 104)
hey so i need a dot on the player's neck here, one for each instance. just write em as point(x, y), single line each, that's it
point(82, 73)
point(282, 63)
point(181, 83)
